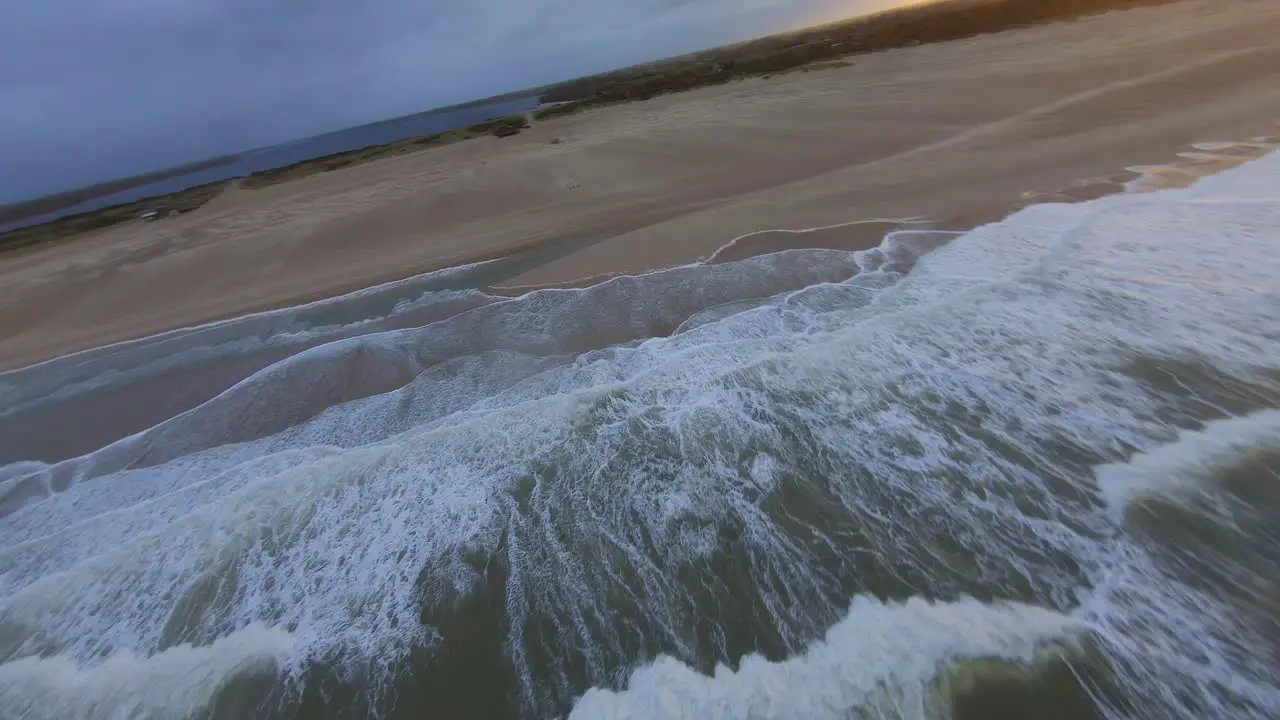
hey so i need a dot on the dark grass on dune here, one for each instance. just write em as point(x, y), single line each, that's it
point(183, 201)
point(819, 47)
point(16, 212)
point(499, 127)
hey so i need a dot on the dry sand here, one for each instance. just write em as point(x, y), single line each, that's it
point(959, 133)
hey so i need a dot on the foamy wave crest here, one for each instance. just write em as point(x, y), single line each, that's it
point(1191, 594)
point(1193, 463)
point(179, 682)
point(897, 650)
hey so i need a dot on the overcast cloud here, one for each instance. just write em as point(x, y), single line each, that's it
point(94, 89)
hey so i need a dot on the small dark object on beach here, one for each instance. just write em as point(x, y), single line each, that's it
point(506, 131)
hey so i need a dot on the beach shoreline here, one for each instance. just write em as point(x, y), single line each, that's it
point(945, 382)
point(960, 133)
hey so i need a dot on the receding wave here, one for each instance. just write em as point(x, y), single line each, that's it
point(1036, 463)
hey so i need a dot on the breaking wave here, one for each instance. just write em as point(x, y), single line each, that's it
point(1033, 464)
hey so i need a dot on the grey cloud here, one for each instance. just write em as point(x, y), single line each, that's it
point(93, 89)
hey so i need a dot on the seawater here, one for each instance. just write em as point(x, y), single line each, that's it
point(1030, 471)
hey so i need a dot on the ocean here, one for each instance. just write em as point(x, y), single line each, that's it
point(285, 154)
point(1027, 471)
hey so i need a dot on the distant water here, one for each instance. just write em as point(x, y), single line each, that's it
point(275, 156)
point(1030, 471)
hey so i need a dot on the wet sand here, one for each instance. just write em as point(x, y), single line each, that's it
point(957, 133)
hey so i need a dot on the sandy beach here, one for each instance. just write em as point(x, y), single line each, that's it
point(958, 133)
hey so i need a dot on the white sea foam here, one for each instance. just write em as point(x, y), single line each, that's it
point(1207, 158)
point(723, 249)
point(412, 287)
point(280, 330)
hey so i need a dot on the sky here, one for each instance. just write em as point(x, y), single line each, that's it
point(96, 89)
